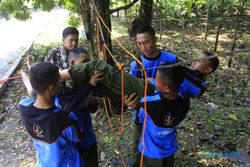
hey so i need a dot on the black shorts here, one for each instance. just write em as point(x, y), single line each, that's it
point(152, 162)
point(90, 156)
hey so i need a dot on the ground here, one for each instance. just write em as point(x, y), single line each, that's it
point(215, 132)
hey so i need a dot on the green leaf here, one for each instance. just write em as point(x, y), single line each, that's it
point(232, 117)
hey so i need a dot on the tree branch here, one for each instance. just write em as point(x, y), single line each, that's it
point(123, 7)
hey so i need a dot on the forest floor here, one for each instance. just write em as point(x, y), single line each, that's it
point(214, 133)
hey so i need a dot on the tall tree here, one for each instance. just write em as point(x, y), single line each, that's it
point(237, 21)
point(85, 12)
point(220, 24)
point(144, 18)
point(208, 20)
point(145, 12)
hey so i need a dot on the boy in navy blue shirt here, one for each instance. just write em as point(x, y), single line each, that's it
point(151, 55)
point(165, 110)
point(195, 75)
point(88, 144)
point(54, 134)
point(82, 107)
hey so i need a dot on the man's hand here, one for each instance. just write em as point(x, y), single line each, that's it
point(96, 77)
point(132, 101)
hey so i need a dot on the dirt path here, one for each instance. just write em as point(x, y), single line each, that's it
point(16, 146)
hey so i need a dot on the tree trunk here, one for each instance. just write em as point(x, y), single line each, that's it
point(240, 12)
point(220, 25)
point(161, 17)
point(87, 18)
point(126, 10)
point(145, 12)
point(207, 23)
point(144, 18)
point(104, 11)
point(217, 37)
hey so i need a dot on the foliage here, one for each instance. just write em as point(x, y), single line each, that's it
point(74, 20)
point(14, 8)
point(39, 51)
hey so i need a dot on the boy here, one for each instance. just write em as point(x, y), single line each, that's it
point(111, 85)
point(88, 144)
point(194, 82)
point(76, 56)
point(166, 109)
point(151, 55)
point(54, 134)
point(192, 86)
point(59, 55)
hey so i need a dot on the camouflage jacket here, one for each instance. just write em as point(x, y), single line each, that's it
point(58, 56)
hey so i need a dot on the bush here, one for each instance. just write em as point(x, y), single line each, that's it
point(73, 21)
point(39, 51)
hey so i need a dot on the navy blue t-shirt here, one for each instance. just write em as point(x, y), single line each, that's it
point(54, 134)
point(162, 58)
point(163, 115)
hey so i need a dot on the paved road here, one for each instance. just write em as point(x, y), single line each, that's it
point(17, 36)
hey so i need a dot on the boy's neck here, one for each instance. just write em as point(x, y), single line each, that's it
point(155, 53)
point(171, 96)
point(43, 102)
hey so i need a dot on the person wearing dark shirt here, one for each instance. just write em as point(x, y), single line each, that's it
point(165, 110)
point(151, 56)
point(88, 144)
point(82, 106)
point(195, 76)
point(54, 134)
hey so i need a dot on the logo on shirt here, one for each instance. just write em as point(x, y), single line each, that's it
point(37, 130)
point(168, 120)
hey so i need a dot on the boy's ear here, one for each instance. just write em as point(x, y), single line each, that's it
point(72, 62)
point(52, 90)
point(166, 89)
point(156, 38)
point(209, 70)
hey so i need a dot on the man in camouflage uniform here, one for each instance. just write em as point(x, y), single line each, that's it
point(59, 55)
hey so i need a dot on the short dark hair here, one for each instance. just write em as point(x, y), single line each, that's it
point(213, 62)
point(69, 30)
point(173, 76)
point(42, 75)
point(145, 29)
point(75, 53)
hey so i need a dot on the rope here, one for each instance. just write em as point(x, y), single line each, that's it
point(112, 56)
point(98, 40)
point(107, 28)
point(145, 118)
point(173, 65)
point(104, 51)
point(10, 78)
point(116, 139)
point(122, 108)
point(110, 108)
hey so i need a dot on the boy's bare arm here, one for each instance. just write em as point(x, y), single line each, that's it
point(132, 101)
point(65, 75)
